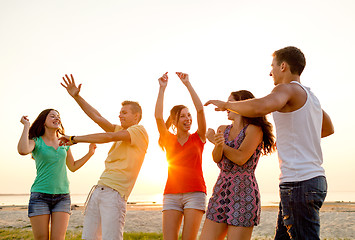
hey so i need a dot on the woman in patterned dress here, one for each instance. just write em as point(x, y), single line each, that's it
point(234, 208)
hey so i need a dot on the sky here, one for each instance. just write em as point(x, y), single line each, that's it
point(118, 50)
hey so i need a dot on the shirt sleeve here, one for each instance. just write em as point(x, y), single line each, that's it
point(139, 136)
point(198, 139)
point(168, 139)
point(37, 146)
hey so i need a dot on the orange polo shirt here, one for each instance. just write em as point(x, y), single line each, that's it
point(185, 165)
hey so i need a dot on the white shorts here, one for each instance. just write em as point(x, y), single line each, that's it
point(181, 201)
point(105, 215)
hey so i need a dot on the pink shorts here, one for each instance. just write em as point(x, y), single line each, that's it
point(181, 201)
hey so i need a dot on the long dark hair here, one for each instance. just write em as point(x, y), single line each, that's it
point(268, 137)
point(172, 120)
point(37, 128)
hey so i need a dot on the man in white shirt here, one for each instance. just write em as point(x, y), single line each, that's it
point(300, 124)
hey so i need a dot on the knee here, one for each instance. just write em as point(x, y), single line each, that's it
point(287, 222)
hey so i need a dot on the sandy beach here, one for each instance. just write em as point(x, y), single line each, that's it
point(337, 219)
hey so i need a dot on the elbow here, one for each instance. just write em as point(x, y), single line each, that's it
point(217, 160)
point(200, 110)
point(72, 169)
point(22, 152)
point(327, 133)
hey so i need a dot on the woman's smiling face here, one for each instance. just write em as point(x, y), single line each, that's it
point(53, 120)
point(185, 120)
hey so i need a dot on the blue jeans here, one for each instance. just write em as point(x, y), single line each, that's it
point(299, 209)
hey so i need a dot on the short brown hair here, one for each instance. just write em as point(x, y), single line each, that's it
point(293, 56)
point(135, 107)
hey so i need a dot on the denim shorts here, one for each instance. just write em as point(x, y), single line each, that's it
point(181, 201)
point(44, 203)
point(299, 209)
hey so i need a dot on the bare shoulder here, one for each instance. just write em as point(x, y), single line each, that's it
point(294, 96)
point(254, 131)
point(285, 87)
point(253, 128)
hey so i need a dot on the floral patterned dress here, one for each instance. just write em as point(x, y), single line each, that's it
point(236, 198)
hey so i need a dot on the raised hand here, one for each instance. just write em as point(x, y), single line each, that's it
point(24, 120)
point(184, 77)
point(220, 105)
point(69, 85)
point(163, 80)
point(210, 135)
point(219, 138)
point(92, 148)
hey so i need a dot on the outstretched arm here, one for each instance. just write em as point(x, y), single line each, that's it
point(75, 165)
point(122, 135)
point(257, 107)
point(327, 125)
point(25, 145)
point(201, 120)
point(73, 90)
point(163, 82)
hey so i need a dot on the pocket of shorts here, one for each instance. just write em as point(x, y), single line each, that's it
point(36, 196)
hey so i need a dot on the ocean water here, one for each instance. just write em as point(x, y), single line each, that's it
point(267, 199)
point(78, 199)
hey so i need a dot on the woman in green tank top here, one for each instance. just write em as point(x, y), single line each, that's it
point(49, 205)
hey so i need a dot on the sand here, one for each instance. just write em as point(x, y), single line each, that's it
point(337, 219)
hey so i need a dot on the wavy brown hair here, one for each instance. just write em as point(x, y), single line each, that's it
point(37, 128)
point(268, 137)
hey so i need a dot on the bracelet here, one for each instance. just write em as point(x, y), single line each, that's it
point(71, 140)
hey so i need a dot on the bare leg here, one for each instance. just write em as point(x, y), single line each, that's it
point(213, 230)
point(171, 224)
point(59, 225)
point(192, 221)
point(40, 226)
point(242, 233)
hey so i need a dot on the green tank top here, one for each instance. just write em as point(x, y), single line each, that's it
point(51, 168)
